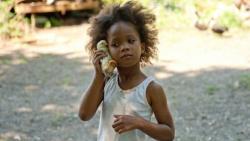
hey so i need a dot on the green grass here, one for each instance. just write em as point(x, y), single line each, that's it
point(212, 89)
point(5, 60)
point(11, 25)
point(48, 22)
point(58, 120)
point(230, 19)
point(171, 13)
point(244, 81)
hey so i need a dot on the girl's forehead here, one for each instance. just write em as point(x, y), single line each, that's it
point(122, 28)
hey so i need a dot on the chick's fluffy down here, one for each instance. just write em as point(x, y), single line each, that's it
point(107, 63)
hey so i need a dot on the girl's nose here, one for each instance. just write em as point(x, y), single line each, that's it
point(125, 47)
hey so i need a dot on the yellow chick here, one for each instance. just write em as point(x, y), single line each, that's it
point(107, 63)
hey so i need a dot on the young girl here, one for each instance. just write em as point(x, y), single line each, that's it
point(128, 97)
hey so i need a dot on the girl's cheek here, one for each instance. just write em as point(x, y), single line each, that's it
point(112, 53)
point(113, 56)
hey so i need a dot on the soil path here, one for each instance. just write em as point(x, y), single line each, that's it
point(206, 77)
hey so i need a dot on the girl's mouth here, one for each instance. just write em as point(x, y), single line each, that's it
point(126, 56)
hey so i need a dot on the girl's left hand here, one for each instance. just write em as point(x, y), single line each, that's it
point(123, 123)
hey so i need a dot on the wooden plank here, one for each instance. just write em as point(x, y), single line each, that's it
point(27, 1)
point(59, 6)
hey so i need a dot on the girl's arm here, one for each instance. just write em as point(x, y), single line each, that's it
point(163, 130)
point(93, 96)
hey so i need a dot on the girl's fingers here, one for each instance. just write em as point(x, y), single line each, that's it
point(98, 52)
point(119, 128)
point(116, 123)
point(116, 120)
point(117, 116)
point(98, 58)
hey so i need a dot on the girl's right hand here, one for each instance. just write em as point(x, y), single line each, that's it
point(98, 55)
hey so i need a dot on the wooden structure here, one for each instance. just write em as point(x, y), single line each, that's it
point(58, 6)
point(42, 6)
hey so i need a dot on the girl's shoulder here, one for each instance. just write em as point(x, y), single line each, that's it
point(154, 88)
point(154, 83)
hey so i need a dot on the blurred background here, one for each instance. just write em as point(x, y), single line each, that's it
point(203, 64)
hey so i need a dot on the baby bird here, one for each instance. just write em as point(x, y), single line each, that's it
point(219, 29)
point(201, 25)
point(107, 63)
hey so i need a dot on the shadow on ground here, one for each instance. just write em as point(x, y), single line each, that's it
point(40, 96)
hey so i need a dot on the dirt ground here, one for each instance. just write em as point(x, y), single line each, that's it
point(203, 74)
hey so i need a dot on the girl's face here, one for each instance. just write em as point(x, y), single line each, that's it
point(124, 44)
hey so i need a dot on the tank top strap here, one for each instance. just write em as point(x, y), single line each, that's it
point(146, 82)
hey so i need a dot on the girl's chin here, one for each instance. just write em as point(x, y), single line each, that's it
point(127, 65)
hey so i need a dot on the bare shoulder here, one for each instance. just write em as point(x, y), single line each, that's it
point(154, 86)
point(155, 92)
point(158, 102)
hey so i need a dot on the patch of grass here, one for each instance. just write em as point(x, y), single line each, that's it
point(173, 13)
point(230, 19)
point(5, 60)
point(57, 120)
point(23, 61)
point(244, 81)
point(190, 98)
point(55, 21)
point(66, 81)
point(48, 21)
point(11, 24)
point(212, 89)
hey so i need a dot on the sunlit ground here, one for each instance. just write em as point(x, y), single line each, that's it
point(206, 78)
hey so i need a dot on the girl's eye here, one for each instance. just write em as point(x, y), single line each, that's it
point(131, 41)
point(114, 45)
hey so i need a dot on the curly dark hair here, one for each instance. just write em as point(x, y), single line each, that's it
point(132, 12)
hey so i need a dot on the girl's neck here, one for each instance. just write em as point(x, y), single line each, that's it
point(130, 73)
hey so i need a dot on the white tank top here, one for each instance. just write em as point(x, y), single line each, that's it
point(123, 102)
